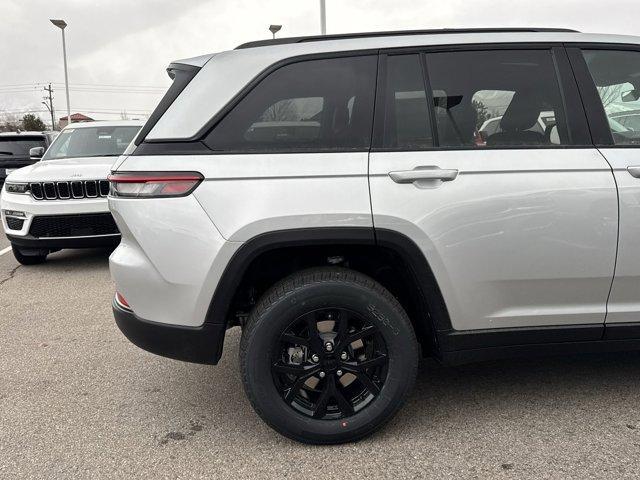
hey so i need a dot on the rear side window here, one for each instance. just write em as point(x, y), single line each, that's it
point(617, 77)
point(407, 124)
point(315, 105)
point(497, 98)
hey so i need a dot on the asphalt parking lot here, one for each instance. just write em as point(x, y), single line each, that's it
point(78, 400)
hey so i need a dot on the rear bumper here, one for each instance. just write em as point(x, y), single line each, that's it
point(44, 243)
point(190, 344)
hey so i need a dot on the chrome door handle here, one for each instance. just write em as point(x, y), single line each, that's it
point(423, 173)
point(634, 171)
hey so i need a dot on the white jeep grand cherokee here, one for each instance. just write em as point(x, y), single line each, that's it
point(60, 201)
point(333, 196)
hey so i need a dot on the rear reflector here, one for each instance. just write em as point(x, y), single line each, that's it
point(153, 185)
point(120, 300)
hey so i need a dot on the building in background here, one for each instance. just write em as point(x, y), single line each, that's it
point(75, 118)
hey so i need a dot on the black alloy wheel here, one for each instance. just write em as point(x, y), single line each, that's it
point(331, 363)
point(328, 356)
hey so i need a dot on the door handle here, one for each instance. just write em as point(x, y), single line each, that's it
point(634, 171)
point(424, 173)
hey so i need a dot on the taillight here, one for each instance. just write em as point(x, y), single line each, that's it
point(153, 185)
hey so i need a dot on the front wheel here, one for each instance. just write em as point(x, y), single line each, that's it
point(328, 356)
point(27, 259)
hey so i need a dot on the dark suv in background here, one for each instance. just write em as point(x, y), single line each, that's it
point(15, 146)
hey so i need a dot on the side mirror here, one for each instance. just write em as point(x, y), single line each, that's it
point(36, 152)
point(630, 96)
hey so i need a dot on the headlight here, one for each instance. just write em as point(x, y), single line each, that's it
point(17, 187)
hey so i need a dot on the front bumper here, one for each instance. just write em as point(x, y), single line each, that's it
point(30, 242)
point(31, 209)
point(190, 344)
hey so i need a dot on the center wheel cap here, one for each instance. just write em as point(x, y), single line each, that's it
point(330, 363)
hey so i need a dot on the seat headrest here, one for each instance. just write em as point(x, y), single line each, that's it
point(521, 114)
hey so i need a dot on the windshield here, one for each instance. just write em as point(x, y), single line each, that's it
point(19, 146)
point(109, 141)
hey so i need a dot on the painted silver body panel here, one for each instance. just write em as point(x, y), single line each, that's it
point(169, 260)
point(174, 251)
point(624, 302)
point(519, 238)
point(246, 195)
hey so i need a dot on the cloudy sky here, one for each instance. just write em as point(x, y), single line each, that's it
point(118, 49)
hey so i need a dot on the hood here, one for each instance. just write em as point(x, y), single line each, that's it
point(92, 168)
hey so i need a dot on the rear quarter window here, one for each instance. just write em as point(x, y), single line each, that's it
point(312, 105)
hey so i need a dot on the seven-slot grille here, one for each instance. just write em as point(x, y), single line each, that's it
point(79, 225)
point(67, 190)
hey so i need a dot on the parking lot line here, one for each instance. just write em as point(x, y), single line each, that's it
point(5, 250)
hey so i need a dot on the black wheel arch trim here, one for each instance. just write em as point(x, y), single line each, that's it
point(400, 244)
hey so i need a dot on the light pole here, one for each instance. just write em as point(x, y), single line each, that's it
point(323, 18)
point(274, 29)
point(61, 24)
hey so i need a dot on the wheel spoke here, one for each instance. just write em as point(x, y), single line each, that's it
point(293, 391)
point(294, 339)
point(341, 327)
point(343, 404)
point(359, 335)
point(315, 341)
point(367, 383)
point(362, 366)
point(297, 370)
point(323, 400)
point(365, 332)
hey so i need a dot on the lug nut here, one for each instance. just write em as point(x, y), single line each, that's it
point(321, 374)
point(344, 356)
point(315, 358)
point(328, 346)
point(339, 373)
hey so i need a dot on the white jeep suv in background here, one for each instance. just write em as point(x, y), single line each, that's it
point(60, 201)
point(330, 196)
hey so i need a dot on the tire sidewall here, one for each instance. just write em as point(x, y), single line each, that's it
point(370, 305)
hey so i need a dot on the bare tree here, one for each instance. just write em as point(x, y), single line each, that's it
point(9, 122)
point(610, 94)
point(284, 110)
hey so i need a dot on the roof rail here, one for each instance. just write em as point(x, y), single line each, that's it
point(343, 36)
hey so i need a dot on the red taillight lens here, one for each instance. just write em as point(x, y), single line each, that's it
point(120, 300)
point(153, 185)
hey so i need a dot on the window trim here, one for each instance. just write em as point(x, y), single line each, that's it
point(573, 113)
point(381, 104)
point(596, 114)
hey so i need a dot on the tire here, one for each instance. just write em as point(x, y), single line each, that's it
point(27, 259)
point(369, 313)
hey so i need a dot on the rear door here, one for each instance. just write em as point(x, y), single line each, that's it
point(518, 224)
point(609, 77)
